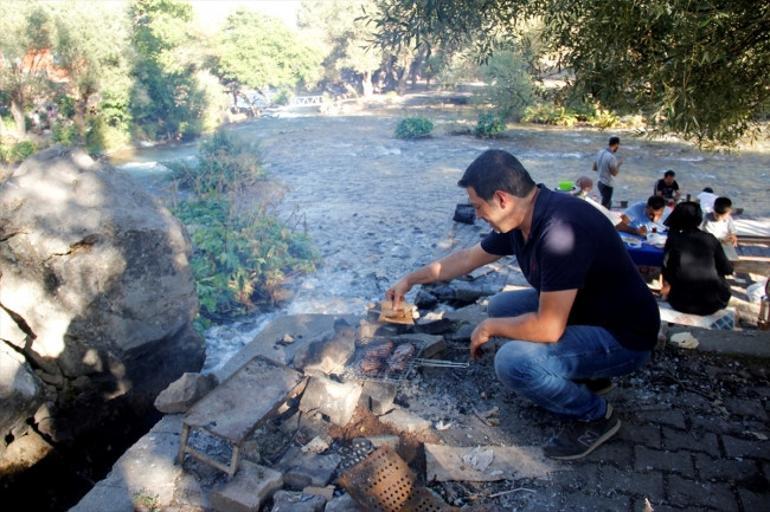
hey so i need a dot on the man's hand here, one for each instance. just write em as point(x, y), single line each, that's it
point(396, 292)
point(641, 231)
point(731, 239)
point(480, 335)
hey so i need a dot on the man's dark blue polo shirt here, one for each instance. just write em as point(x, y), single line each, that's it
point(573, 245)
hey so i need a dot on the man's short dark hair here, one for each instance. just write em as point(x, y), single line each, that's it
point(656, 202)
point(722, 204)
point(614, 140)
point(669, 173)
point(708, 189)
point(494, 170)
point(686, 216)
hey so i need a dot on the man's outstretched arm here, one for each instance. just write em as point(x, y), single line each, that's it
point(451, 266)
point(546, 325)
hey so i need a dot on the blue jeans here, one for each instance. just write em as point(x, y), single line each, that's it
point(545, 372)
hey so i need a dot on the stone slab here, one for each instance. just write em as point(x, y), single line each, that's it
point(745, 343)
point(301, 470)
point(484, 463)
point(378, 397)
point(251, 486)
point(336, 400)
point(303, 329)
point(234, 407)
point(405, 421)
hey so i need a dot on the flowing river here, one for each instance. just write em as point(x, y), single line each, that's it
point(376, 207)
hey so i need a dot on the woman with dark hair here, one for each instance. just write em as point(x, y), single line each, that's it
point(694, 264)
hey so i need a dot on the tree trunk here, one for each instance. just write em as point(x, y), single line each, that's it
point(366, 84)
point(17, 111)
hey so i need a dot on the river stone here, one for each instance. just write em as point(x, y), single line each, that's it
point(181, 394)
point(324, 357)
point(20, 389)
point(96, 274)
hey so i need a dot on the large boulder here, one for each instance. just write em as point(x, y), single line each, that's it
point(96, 293)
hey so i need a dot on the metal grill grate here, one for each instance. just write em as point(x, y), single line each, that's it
point(381, 483)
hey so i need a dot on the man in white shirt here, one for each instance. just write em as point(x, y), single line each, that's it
point(706, 200)
point(719, 223)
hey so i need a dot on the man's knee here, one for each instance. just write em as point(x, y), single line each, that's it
point(512, 303)
point(516, 365)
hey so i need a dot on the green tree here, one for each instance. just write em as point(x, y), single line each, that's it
point(91, 45)
point(345, 37)
point(257, 51)
point(166, 101)
point(28, 32)
point(698, 69)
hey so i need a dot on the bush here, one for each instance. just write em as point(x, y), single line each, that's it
point(239, 262)
point(510, 90)
point(65, 134)
point(225, 164)
point(548, 113)
point(14, 152)
point(413, 128)
point(489, 125)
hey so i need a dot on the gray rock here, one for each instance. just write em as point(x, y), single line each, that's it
point(251, 486)
point(287, 501)
point(24, 452)
point(378, 397)
point(181, 394)
point(301, 470)
point(20, 389)
point(335, 400)
point(425, 300)
point(97, 276)
point(405, 422)
point(325, 357)
point(344, 503)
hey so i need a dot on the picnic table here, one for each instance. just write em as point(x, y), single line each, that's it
point(641, 252)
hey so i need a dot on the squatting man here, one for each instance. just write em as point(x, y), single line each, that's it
point(588, 317)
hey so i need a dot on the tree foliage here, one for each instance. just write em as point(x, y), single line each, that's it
point(166, 100)
point(698, 69)
point(346, 37)
point(256, 51)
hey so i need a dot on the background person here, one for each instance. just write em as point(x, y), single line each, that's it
point(667, 187)
point(608, 166)
point(719, 223)
point(641, 217)
point(588, 314)
point(694, 264)
point(706, 200)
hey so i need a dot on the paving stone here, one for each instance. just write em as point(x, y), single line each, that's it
point(335, 400)
point(305, 469)
point(735, 447)
point(586, 503)
point(313, 490)
point(715, 424)
point(378, 397)
point(753, 502)
point(639, 484)
point(668, 418)
point(342, 503)
point(246, 492)
point(287, 501)
point(648, 459)
point(578, 476)
point(616, 451)
point(677, 440)
point(694, 401)
point(648, 435)
point(724, 469)
point(766, 470)
point(405, 421)
point(743, 407)
point(684, 492)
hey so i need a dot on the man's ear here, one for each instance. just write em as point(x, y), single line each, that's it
point(502, 197)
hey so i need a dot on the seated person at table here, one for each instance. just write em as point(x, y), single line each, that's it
point(719, 223)
point(583, 186)
point(706, 200)
point(667, 187)
point(641, 217)
point(694, 264)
